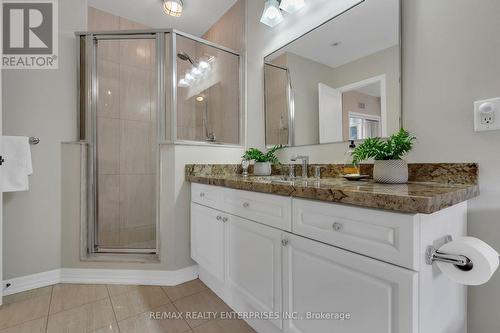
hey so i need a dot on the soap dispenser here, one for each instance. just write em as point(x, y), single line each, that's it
point(350, 167)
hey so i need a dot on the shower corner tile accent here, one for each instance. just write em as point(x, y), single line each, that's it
point(432, 186)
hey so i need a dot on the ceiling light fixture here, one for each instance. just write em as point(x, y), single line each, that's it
point(173, 7)
point(272, 15)
point(291, 6)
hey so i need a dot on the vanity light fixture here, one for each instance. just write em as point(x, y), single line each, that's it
point(173, 7)
point(272, 15)
point(292, 6)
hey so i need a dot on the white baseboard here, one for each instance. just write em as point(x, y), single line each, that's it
point(32, 281)
point(100, 276)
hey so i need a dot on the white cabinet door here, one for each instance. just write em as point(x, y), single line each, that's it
point(379, 297)
point(207, 239)
point(330, 114)
point(254, 265)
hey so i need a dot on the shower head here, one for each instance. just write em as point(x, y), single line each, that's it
point(184, 56)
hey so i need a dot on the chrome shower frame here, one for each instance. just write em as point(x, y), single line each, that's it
point(89, 137)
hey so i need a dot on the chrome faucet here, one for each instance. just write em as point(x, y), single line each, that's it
point(305, 164)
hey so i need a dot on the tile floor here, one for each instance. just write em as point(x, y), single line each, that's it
point(75, 308)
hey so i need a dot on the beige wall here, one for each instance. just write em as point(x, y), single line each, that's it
point(41, 103)
point(451, 59)
point(229, 30)
point(305, 75)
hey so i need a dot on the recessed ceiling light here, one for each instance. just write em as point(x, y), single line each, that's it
point(291, 6)
point(173, 7)
point(272, 15)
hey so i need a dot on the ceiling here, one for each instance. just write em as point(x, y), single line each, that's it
point(370, 27)
point(371, 89)
point(198, 15)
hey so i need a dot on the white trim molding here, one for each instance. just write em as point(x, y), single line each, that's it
point(32, 281)
point(383, 96)
point(100, 276)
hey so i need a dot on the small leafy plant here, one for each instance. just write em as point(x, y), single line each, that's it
point(394, 148)
point(258, 156)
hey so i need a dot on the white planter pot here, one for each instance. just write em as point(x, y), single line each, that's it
point(390, 172)
point(262, 169)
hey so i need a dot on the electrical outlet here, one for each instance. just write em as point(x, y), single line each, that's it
point(486, 115)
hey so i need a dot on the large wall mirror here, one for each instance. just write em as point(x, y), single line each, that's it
point(338, 82)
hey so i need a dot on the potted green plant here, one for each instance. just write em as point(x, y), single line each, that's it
point(389, 167)
point(262, 160)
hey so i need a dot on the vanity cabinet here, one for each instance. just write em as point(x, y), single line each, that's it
point(244, 255)
point(362, 268)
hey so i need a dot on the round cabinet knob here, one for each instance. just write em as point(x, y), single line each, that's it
point(337, 226)
point(284, 242)
point(202, 195)
point(219, 217)
point(224, 219)
point(246, 204)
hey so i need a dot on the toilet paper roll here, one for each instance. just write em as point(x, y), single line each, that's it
point(484, 259)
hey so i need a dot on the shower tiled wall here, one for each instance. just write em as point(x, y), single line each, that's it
point(126, 136)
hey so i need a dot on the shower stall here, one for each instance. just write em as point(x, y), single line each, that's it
point(139, 91)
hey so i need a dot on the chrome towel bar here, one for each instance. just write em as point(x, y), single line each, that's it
point(34, 140)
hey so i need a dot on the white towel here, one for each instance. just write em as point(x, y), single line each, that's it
point(17, 167)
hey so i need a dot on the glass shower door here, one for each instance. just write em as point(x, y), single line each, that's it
point(125, 144)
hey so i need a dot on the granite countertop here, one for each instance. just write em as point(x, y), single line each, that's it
point(415, 197)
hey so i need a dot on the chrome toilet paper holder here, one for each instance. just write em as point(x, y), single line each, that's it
point(433, 254)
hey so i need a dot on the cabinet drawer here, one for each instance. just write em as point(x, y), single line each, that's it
point(272, 210)
point(207, 195)
point(388, 236)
